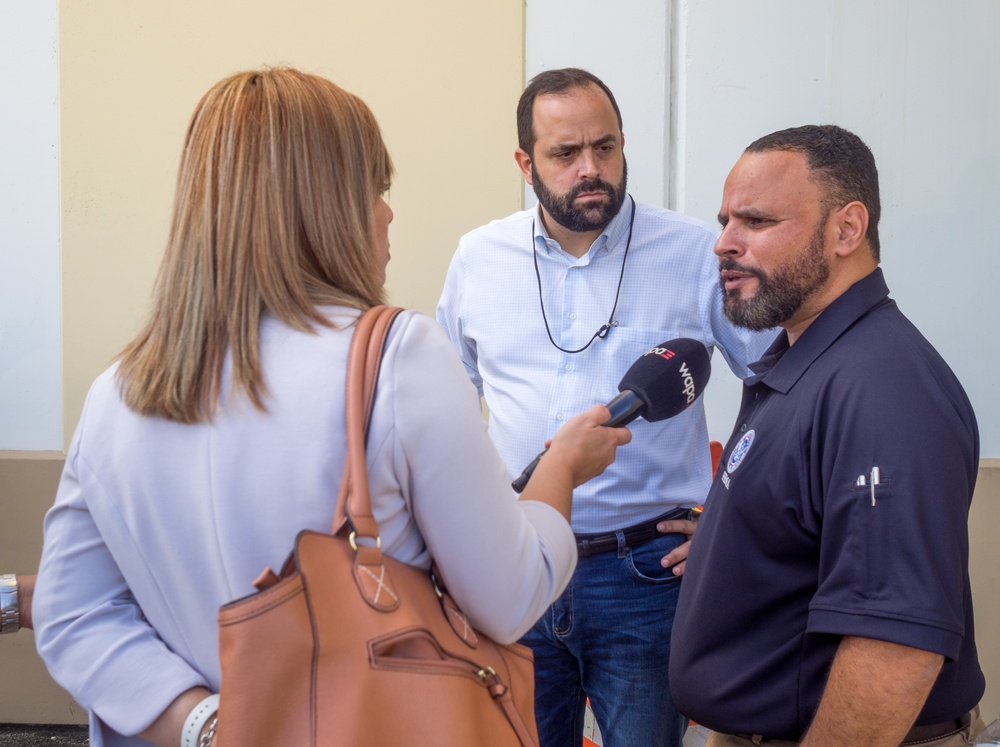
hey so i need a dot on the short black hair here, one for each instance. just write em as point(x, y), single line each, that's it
point(554, 82)
point(840, 161)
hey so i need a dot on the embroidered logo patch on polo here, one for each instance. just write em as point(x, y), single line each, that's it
point(740, 452)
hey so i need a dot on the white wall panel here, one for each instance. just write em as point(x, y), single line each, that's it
point(30, 382)
point(625, 45)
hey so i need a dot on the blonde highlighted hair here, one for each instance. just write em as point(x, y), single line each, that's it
point(273, 214)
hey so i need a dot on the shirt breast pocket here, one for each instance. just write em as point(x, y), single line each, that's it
point(628, 343)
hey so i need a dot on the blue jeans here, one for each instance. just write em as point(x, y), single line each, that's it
point(608, 637)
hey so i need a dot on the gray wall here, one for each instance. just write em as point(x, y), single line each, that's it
point(917, 80)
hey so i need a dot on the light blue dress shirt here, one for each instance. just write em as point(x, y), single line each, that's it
point(490, 311)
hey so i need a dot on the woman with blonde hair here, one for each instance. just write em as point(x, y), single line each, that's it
point(218, 434)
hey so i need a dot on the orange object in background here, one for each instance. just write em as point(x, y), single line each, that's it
point(715, 447)
point(591, 732)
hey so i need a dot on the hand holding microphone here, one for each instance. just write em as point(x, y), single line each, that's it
point(662, 383)
point(585, 446)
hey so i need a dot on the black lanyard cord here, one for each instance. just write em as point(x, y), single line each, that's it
point(605, 328)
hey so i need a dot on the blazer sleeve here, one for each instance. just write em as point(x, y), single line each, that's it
point(503, 560)
point(89, 630)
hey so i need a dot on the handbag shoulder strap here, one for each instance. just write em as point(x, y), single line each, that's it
point(364, 360)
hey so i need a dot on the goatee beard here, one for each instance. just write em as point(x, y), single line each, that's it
point(573, 218)
point(779, 295)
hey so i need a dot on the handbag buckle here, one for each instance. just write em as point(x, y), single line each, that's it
point(434, 583)
point(353, 539)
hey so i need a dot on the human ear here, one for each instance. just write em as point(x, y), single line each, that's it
point(851, 224)
point(523, 159)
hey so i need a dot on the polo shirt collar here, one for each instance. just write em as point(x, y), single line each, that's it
point(611, 239)
point(782, 365)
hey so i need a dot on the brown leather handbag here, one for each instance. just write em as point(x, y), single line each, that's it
point(352, 647)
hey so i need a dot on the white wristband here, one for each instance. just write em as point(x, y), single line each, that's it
point(197, 719)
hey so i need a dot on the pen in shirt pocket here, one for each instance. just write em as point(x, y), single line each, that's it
point(873, 479)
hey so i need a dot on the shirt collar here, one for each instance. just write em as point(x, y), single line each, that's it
point(612, 238)
point(782, 365)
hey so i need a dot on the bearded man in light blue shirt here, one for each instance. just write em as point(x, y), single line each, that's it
point(548, 308)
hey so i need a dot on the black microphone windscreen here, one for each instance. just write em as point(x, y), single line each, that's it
point(669, 377)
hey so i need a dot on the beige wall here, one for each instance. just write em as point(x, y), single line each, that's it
point(442, 77)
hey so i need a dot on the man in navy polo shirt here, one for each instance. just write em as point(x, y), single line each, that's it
point(826, 599)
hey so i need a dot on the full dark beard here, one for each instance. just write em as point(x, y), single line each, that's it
point(780, 294)
point(573, 218)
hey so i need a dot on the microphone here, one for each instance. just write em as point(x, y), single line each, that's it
point(663, 382)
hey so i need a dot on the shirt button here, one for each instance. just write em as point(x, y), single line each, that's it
point(743, 428)
point(560, 417)
point(572, 316)
point(569, 366)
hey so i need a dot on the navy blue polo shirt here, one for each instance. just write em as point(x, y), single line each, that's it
point(793, 552)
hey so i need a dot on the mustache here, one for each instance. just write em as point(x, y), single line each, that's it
point(590, 185)
point(731, 265)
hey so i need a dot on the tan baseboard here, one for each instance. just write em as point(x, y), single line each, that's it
point(984, 568)
point(28, 482)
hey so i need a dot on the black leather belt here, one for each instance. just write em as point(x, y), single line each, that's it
point(639, 534)
point(920, 734)
point(916, 735)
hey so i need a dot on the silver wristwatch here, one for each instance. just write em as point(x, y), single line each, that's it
point(10, 614)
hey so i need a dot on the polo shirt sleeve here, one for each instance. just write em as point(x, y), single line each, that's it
point(893, 569)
